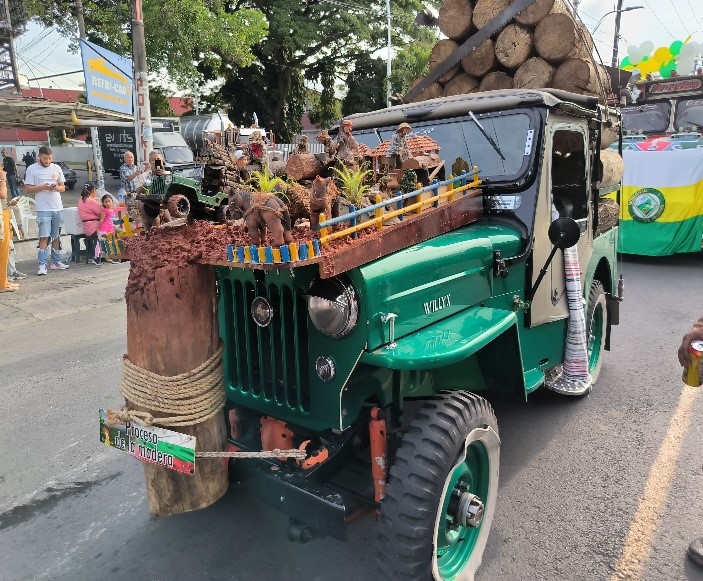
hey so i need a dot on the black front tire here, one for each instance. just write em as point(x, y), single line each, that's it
point(178, 206)
point(452, 432)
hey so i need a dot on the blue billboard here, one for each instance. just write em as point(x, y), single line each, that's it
point(108, 78)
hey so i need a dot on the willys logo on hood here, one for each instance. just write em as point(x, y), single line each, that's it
point(676, 86)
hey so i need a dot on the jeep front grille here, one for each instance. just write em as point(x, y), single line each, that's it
point(270, 363)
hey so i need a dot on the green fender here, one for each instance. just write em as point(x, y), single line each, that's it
point(477, 349)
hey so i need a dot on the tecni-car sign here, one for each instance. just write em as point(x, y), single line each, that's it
point(108, 78)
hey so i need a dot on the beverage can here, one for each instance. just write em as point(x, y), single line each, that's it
point(693, 375)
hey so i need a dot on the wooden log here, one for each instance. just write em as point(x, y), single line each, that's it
point(440, 52)
point(535, 73)
point(610, 132)
point(303, 166)
point(462, 84)
point(495, 81)
point(432, 92)
point(613, 168)
point(421, 162)
point(278, 167)
point(513, 46)
point(165, 303)
point(558, 37)
point(577, 75)
point(487, 10)
point(539, 10)
point(480, 61)
point(608, 215)
point(455, 18)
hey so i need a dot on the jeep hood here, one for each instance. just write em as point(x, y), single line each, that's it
point(434, 279)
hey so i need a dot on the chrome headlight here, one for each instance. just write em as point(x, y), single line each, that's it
point(333, 307)
point(168, 178)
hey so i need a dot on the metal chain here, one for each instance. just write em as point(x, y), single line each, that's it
point(275, 453)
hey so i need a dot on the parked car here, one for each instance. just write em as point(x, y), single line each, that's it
point(69, 174)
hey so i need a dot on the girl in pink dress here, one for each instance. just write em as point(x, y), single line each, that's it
point(107, 226)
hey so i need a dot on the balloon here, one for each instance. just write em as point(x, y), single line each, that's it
point(685, 66)
point(665, 69)
point(649, 66)
point(635, 54)
point(688, 50)
point(675, 47)
point(662, 54)
point(625, 62)
point(647, 47)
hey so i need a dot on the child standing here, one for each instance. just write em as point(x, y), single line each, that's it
point(107, 226)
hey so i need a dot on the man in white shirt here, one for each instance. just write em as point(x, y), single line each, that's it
point(45, 181)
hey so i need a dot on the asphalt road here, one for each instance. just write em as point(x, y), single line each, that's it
point(572, 471)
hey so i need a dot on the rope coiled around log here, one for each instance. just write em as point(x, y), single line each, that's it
point(186, 399)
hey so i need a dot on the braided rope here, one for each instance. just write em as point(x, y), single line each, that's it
point(187, 399)
point(261, 208)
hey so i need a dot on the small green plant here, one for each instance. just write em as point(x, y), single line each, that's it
point(352, 183)
point(408, 183)
point(265, 182)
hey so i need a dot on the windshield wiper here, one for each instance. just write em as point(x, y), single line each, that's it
point(485, 134)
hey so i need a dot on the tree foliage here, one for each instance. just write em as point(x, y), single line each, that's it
point(411, 62)
point(306, 40)
point(367, 86)
point(159, 104)
point(179, 33)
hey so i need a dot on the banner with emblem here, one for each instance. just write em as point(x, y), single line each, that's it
point(661, 210)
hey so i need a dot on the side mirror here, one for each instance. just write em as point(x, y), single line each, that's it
point(564, 233)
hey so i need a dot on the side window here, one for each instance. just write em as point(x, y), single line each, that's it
point(569, 193)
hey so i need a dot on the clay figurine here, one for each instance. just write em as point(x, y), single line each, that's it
point(258, 148)
point(262, 211)
point(320, 201)
point(303, 144)
point(345, 146)
point(399, 151)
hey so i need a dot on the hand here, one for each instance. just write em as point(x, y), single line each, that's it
point(695, 334)
point(48, 186)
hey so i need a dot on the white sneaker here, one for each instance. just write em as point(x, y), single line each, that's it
point(58, 266)
point(95, 262)
point(42, 270)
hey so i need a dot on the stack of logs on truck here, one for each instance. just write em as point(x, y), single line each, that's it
point(544, 47)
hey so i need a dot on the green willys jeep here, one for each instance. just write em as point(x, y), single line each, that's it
point(384, 366)
point(182, 197)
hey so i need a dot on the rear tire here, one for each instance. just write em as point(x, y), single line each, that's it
point(178, 206)
point(596, 328)
point(450, 452)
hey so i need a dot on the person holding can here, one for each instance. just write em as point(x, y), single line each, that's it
point(691, 356)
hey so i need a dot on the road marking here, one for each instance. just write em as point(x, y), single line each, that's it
point(643, 526)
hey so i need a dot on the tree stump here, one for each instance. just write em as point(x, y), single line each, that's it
point(513, 46)
point(539, 10)
point(487, 10)
point(495, 81)
point(481, 60)
point(172, 329)
point(462, 84)
point(535, 73)
point(440, 52)
point(303, 166)
point(558, 37)
point(455, 18)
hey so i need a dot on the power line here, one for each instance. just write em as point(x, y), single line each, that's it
point(680, 19)
point(659, 19)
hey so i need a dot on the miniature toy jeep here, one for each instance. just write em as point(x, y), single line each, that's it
point(181, 196)
point(375, 358)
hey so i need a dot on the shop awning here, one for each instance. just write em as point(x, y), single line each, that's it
point(41, 115)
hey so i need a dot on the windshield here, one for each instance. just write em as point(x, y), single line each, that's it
point(178, 154)
point(689, 113)
point(462, 145)
point(650, 118)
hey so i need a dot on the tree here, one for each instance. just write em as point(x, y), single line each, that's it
point(179, 33)
point(326, 108)
point(307, 39)
point(367, 86)
point(411, 62)
point(159, 103)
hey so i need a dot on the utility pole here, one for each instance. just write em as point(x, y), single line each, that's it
point(616, 38)
point(142, 112)
point(94, 137)
point(8, 58)
point(390, 56)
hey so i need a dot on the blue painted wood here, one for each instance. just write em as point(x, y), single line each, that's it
point(303, 250)
point(268, 251)
point(240, 254)
point(230, 252)
point(254, 253)
point(285, 253)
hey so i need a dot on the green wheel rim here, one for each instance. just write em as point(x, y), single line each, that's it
point(595, 338)
point(455, 545)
